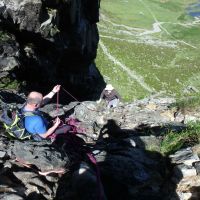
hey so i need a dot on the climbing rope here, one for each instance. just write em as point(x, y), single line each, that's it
point(89, 154)
point(57, 103)
point(78, 100)
point(94, 161)
point(70, 95)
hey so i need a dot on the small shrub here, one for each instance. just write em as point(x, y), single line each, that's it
point(173, 141)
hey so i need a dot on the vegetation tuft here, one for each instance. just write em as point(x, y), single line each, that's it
point(189, 103)
point(7, 83)
point(174, 141)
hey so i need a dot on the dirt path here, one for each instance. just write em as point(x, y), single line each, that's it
point(157, 27)
point(162, 28)
point(148, 41)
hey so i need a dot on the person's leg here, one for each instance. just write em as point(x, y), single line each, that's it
point(109, 104)
point(37, 137)
point(63, 129)
point(113, 103)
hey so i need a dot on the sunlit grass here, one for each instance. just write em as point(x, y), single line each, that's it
point(173, 141)
point(168, 61)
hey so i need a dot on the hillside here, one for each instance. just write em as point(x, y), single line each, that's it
point(150, 47)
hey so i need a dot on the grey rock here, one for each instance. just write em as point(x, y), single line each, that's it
point(179, 117)
point(86, 112)
point(51, 34)
point(57, 112)
point(25, 13)
point(183, 170)
point(33, 181)
point(41, 155)
point(197, 167)
point(70, 106)
point(151, 143)
point(8, 63)
point(121, 154)
point(2, 154)
point(7, 196)
point(185, 156)
point(189, 118)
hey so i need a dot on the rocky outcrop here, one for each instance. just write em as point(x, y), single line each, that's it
point(9, 55)
point(113, 154)
point(50, 41)
point(186, 172)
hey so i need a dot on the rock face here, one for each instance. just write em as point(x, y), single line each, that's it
point(109, 155)
point(50, 41)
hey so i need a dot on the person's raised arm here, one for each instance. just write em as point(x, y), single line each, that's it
point(53, 91)
point(50, 95)
point(101, 96)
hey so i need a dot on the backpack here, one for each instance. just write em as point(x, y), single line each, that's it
point(13, 121)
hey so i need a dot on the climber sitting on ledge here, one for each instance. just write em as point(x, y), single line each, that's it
point(34, 122)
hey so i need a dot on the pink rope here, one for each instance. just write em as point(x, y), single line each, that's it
point(79, 101)
point(90, 156)
point(70, 95)
point(57, 103)
point(94, 161)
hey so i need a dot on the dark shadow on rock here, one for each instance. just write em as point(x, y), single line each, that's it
point(35, 196)
point(195, 193)
point(145, 129)
point(128, 171)
point(80, 182)
point(74, 146)
point(112, 131)
point(11, 97)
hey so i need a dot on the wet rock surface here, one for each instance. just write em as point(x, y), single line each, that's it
point(108, 158)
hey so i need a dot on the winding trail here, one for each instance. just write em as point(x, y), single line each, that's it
point(104, 18)
point(165, 30)
point(139, 79)
point(169, 44)
point(156, 29)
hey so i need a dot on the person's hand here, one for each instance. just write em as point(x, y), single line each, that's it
point(56, 88)
point(57, 122)
point(98, 101)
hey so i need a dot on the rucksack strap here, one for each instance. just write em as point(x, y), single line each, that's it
point(16, 129)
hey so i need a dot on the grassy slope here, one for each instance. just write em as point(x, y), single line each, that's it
point(162, 67)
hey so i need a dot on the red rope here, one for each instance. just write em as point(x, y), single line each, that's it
point(94, 161)
point(78, 100)
point(57, 103)
point(90, 156)
point(70, 94)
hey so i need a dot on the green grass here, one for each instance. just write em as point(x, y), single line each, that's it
point(7, 83)
point(188, 103)
point(167, 61)
point(4, 36)
point(135, 12)
point(174, 141)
